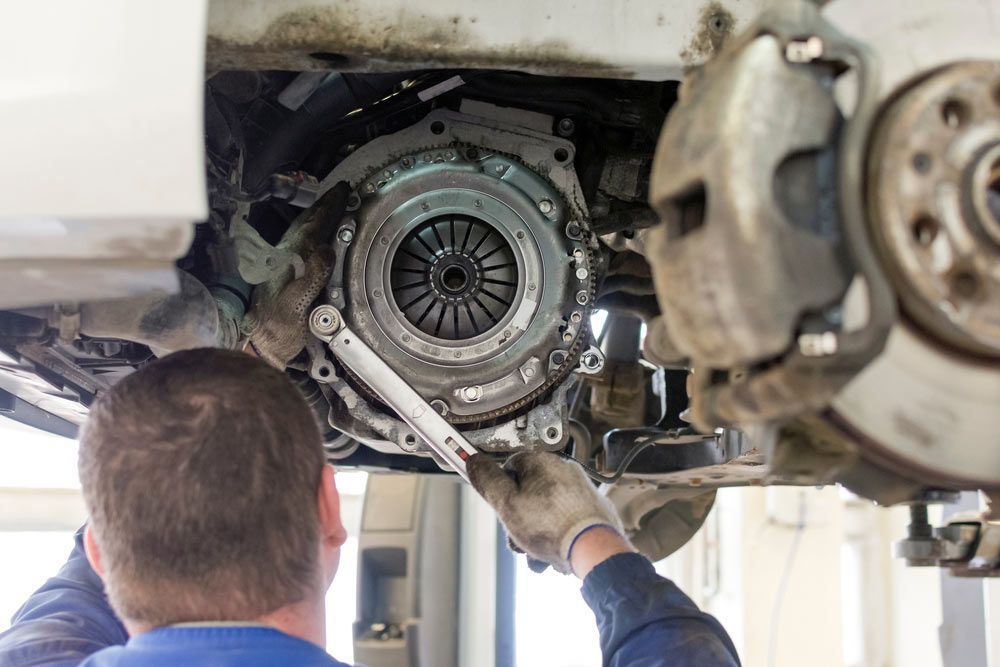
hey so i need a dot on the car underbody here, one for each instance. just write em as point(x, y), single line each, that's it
point(733, 245)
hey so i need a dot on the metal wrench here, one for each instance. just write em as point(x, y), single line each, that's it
point(328, 325)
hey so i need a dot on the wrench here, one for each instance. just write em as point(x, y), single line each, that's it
point(327, 324)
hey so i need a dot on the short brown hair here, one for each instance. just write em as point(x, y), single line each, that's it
point(201, 473)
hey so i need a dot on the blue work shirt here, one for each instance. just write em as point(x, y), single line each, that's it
point(644, 621)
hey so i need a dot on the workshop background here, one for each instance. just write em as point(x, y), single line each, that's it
point(797, 576)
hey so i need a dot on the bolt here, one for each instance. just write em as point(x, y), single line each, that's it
point(472, 394)
point(449, 155)
point(575, 317)
point(582, 297)
point(565, 127)
point(573, 230)
point(427, 157)
point(558, 358)
point(578, 253)
point(353, 201)
point(500, 169)
point(546, 206)
point(387, 174)
point(407, 162)
point(335, 294)
point(529, 372)
point(369, 188)
point(567, 336)
point(325, 319)
point(804, 51)
point(506, 334)
point(346, 235)
point(581, 273)
point(406, 338)
point(591, 360)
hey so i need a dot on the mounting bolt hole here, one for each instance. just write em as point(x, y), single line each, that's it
point(437, 127)
point(560, 154)
point(925, 230)
point(954, 113)
point(922, 163)
point(965, 284)
point(552, 433)
point(410, 439)
point(324, 371)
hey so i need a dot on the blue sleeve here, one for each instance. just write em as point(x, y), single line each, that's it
point(645, 620)
point(64, 621)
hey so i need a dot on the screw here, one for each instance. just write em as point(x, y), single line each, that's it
point(578, 253)
point(582, 297)
point(407, 162)
point(500, 168)
point(472, 394)
point(558, 358)
point(581, 273)
point(546, 206)
point(345, 235)
point(506, 334)
point(566, 127)
point(529, 372)
point(573, 230)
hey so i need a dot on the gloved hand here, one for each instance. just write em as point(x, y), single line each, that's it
point(543, 501)
point(276, 324)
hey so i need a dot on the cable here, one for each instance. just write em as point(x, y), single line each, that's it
point(779, 595)
point(622, 467)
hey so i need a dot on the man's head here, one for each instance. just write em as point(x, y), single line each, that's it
point(207, 490)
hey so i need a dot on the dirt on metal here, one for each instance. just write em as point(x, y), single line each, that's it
point(715, 25)
point(348, 38)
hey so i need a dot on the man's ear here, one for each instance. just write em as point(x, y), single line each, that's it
point(334, 534)
point(93, 551)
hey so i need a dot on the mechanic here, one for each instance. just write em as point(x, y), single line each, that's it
point(215, 526)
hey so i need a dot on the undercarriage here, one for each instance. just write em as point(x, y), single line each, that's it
point(775, 260)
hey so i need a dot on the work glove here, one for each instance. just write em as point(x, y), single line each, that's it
point(543, 501)
point(276, 324)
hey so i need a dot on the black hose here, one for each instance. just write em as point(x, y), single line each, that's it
point(622, 467)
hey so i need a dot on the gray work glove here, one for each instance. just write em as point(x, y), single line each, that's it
point(276, 324)
point(544, 502)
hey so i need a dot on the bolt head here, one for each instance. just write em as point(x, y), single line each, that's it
point(369, 187)
point(546, 206)
point(582, 297)
point(581, 273)
point(591, 361)
point(345, 235)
